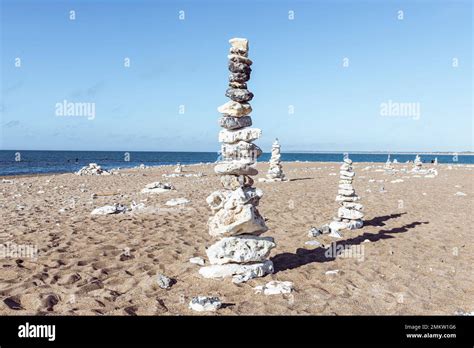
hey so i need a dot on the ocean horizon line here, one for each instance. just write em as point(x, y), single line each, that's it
point(464, 153)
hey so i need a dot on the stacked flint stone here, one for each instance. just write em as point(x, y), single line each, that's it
point(388, 164)
point(418, 164)
point(349, 214)
point(275, 171)
point(241, 253)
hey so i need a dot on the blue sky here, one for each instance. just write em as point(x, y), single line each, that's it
point(298, 64)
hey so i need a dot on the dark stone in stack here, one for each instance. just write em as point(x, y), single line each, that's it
point(238, 52)
point(239, 95)
point(239, 68)
point(230, 122)
point(239, 77)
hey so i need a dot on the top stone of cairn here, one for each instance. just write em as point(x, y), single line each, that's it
point(239, 43)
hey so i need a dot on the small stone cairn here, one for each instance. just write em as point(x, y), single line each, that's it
point(349, 214)
point(388, 165)
point(275, 171)
point(417, 163)
point(92, 169)
point(240, 253)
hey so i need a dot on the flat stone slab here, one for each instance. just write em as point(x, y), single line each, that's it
point(239, 273)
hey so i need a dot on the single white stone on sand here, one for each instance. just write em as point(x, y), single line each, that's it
point(137, 206)
point(157, 187)
point(205, 304)
point(315, 232)
point(396, 181)
point(177, 201)
point(274, 287)
point(163, 281)
point(336, 271)
point(110, 209)
point(312, 243)
point(197, 260)
point(460, 194)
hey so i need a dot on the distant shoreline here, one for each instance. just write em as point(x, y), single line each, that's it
point(446, 153)
point(120, 169)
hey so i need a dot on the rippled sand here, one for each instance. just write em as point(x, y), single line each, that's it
point(413, 256)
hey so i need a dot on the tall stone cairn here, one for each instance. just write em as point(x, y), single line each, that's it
point(240, 252)
point(349, 215)
point(275, 172)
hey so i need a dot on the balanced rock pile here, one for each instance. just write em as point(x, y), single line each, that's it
point(241, 254)
point(388, 164)
point(275, 172)
point(418, 164)
point(349, 214)
point(92, 169)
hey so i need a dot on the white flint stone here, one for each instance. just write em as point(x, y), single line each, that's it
point(197, 260)
point(157, 187)
point(355, 224)
point(337, 225)
point(241, 150)
point(244, 219)
point(163, 281)
point(177, 201)
point(351, 214)
point(346, 186)
point(352, 205)
point(274, 287)
point(231, 199)
point(241, 249)
point(109, 209)
point(340, 198)
point(244, 134)
point(346, 192)
point(233, 108)
point(240, 43)
point(205, 304)
point(346, 173)
point(240, 273)
point(235, 168)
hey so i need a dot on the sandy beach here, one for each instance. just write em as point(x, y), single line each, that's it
point(414, 254)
